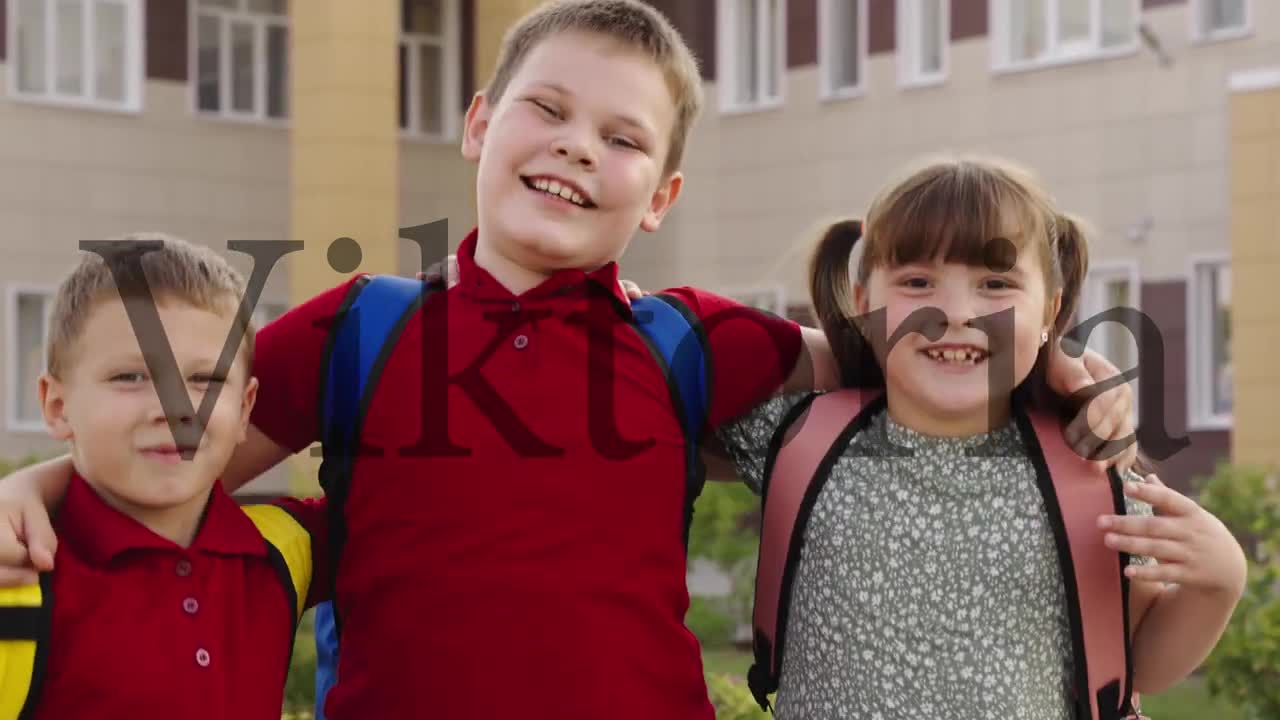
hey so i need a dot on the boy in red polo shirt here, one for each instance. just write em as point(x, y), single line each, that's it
point(168, 601)
point(513, 541)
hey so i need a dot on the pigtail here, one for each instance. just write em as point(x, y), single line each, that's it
point(832, 295)
point(1067, 238)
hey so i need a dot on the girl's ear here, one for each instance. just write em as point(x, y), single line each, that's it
point(1055, 323)
point(861, 299)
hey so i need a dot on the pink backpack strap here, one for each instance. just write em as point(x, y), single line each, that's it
point(795, 468)
point(1083, 494)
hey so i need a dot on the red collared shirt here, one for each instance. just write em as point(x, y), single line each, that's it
point(147, 630)
point(516, 550)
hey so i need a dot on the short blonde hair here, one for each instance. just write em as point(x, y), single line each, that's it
point(634, 25)
point(172, 268)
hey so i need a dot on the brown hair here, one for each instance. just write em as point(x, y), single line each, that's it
point(631, 23)
point(173, 269)
point(975, 210)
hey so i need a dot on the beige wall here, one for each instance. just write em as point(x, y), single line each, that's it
point(1255, 248)
point(1116, 140)
point(71, 175)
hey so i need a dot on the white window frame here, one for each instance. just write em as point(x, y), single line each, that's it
point(1200, 35)
point(260, 23)
point(909, 33)
point(727, 46)
point(771, 298)
point(1199, 362)
point(1056, 54)
point(135, 52)
point(12, 382)
point(449, 43)
point(827, 46)
point(1092, 303)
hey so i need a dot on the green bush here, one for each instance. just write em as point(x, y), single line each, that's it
point(732, 698)
point(8, 466)
point(1245, 665)
point(708, 621)
point(300, 686)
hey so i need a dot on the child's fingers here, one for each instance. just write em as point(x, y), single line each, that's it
point(1156, 573)
point(17, 577)
point(1164, 499)
point(1165, 551)
point(1144, 526)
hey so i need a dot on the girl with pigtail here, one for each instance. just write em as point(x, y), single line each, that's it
point(928, 583)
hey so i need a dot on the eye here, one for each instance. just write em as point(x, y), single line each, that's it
point(998, 284)
point(624, 143)
point(546, 108)
point(207, 379)
point(915, 282)
point(127, 378)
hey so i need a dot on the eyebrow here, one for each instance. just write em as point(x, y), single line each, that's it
point(624, 119)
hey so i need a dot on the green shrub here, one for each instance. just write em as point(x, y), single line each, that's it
point(732, 698)
point(8, 466)
point(708, 621)
point(300, 686)
point(1245, 665)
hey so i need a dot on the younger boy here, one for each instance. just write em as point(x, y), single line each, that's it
point(167, 600)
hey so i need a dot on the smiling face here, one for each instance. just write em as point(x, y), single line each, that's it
point(967, 336)
point(571, 158)
point(106, 407)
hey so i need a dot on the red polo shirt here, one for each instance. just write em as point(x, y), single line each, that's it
point(145, 629)
point(516, 548)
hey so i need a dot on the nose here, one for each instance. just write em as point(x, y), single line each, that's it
point(572, 145)
point(957, 304)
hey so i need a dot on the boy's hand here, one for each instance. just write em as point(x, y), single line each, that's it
point(1104, 429)
point(1191, 547)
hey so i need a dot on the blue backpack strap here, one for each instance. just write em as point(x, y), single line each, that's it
point(363, 334)
point(678, 342)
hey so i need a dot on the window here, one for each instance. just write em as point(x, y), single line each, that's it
point(923, 33)
point(241, 61)
point(1109, 286)
point(751, 52)
point(842, 46)
point(1219, 19)
point(78, 52)
point(28, 323)
point(429, 72)
point(266, 313)
point(1210, 380)
point(1037, 32)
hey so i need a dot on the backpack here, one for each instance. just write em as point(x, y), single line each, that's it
point(1075, 494)
point(26, 612)
point(363, 335)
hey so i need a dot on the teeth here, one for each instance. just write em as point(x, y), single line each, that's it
point(555, 188)
point(968, 357)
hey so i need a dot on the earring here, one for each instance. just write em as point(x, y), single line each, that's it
point(1044, 337)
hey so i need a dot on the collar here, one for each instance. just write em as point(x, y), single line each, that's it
point(476, 282)
point(101, 533)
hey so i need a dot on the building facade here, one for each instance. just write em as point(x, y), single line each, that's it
point(222, 120)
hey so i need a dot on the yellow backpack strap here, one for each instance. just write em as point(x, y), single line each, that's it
point(289, 548)
point(25, 614)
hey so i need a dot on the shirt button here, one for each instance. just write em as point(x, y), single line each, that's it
point(190, 605)
point(184, 568)
point(202, 658)
point(522, 342)
point(515, 306)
